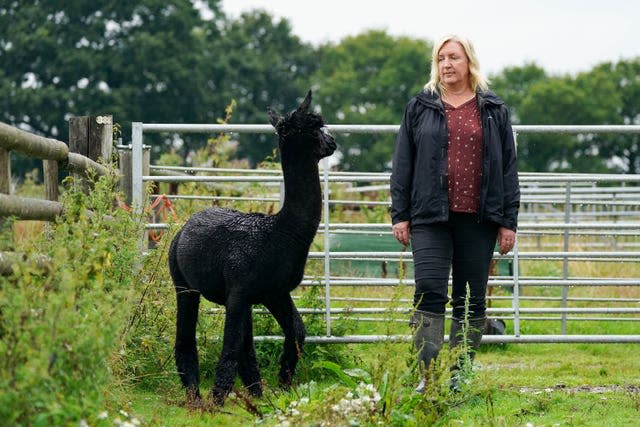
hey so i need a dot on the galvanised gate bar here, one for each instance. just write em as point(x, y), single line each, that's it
point(556, 211)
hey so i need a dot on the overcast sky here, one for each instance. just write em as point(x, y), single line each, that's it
point(561, 36)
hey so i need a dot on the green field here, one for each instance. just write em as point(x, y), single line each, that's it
point(540, 385)
point(89, 341)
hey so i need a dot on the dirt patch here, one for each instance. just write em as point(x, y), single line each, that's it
point(513, 366)
point(582, 389)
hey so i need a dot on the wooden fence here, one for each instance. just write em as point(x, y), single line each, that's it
point(90, 138)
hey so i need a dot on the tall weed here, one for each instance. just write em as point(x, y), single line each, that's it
point(60, 326)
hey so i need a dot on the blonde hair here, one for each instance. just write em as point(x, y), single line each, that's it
point(476, 78)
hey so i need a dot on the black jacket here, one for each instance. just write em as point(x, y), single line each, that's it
point(419, 189)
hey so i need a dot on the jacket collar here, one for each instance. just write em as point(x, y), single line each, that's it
point(488, 97)
point(430, 99)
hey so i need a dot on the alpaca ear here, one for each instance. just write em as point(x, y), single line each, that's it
point(274, 117)
point(305, 104)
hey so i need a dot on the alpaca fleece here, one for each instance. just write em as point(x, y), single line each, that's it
point(240, 259)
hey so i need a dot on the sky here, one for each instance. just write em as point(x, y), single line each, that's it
point(561, 36)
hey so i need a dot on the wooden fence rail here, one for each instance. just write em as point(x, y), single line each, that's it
point(8, 259)
point(90, 137)
point(28, 208)
point(14, 139)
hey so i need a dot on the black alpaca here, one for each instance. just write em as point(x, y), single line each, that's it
point(239, 259)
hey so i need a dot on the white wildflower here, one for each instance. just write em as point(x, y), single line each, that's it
point(103, 415)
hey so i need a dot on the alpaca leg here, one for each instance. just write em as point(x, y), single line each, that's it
point(186, 351)
point(248, 364)
point(237, 315)
point(288, 318)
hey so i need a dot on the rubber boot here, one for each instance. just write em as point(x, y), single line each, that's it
point(473, 336)
point(428, 338)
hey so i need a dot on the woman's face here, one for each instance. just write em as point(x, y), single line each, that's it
point(453, 64)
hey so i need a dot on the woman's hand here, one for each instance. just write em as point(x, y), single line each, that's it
point(506, 239)
point(401, 232)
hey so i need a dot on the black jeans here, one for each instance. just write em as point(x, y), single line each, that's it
point(461, 245)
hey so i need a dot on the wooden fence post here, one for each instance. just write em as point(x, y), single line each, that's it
point(5, 174)
point(124, 155)
point(91, 136)
point(5, 171)
point(50, 177)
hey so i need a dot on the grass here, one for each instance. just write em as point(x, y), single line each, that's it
point(365, 384)
point(530, 384)
point(169, 410)
point(555, 384)
point(514, 385)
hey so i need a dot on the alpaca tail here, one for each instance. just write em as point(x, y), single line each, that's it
point(188, 302)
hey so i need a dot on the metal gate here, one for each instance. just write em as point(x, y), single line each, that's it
point(603, 208)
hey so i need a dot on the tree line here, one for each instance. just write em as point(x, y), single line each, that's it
point(169, 61)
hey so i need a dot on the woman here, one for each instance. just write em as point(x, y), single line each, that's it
point(454, 191)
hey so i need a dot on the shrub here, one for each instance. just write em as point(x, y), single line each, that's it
point(60, 326)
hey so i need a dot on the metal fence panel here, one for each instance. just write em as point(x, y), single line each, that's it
point(563, 205)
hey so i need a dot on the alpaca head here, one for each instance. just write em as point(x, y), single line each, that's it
point(304, 129)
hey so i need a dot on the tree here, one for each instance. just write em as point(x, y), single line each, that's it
point(368, 79)
point(619, 152)
point(149, 61)
point(513, 83)
point(260, 64)
point(164, 61)
point(587, 99)
point(607, 94)
point(139, 61)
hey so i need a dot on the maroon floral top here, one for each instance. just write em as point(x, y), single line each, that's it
point(464, 164)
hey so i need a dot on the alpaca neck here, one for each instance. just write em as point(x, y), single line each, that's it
point(302, 206)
